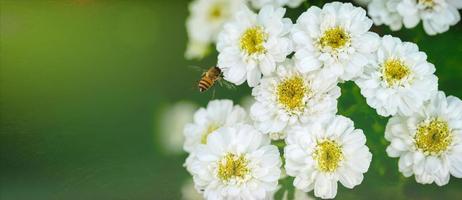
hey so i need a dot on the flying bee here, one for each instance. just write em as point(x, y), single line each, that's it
point(210, 77)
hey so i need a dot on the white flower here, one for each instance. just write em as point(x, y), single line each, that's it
point(437, 15)
point(172, 122)
point(320, 154)
point(247, 103)
point(429, 143)
point(385, 12)
point(401, 79)
point(238, 162)
point(205, 21)
point(258, 4)
point(252, 44)
point(288, 97)
point(188, 192)
point(334, 39)
point(219, 113)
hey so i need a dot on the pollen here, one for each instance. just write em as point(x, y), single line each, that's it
point(291, 93)
point(233, 167)
point(328, 155)
point(253, 39)
point(334, 38)
point(427, 3)
point(395, 71)
point(210, 129)
point(433, 137)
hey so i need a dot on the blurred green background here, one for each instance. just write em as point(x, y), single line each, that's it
point(82, 83)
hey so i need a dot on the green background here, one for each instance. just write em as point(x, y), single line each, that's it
point(82, 83)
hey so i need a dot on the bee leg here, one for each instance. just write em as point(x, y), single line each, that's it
point(213, 93)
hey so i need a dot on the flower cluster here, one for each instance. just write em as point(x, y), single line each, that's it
point(208, 16)
point(295, 70)
point(436, 15)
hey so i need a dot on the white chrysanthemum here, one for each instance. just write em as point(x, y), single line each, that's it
point(205, 21)
point(252, 44)
point(385, 12)
point(429, 143)
point(247, 103)
point(238, 162)
point(172, 123)
point(189, 192)
point(437, 15)
point(289, 97)
point(258, 4)
point(334, 39)
point(401, 79)
point(322, 153)
point(219, 113)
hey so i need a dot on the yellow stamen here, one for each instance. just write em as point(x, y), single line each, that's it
point(291, 93)
point(253, 39)
point(328, 155)
point(233, 166)
point(334, 38)
point(215, 12)
point(395, 71)
point(427, 3)
point(433, 137)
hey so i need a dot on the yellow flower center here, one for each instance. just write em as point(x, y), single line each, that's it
point(394, 71)
point(328, 155)
point(427, 3)
point(215, 12)
point(290, 94)
point(334, 38)
point(253, 39)
point(433, 137)
point(233, 166)
point(210, 129)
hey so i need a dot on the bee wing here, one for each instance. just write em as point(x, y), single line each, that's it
point(197, 68)
point(226, 84)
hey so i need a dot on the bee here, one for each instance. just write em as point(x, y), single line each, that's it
point(210, 77)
